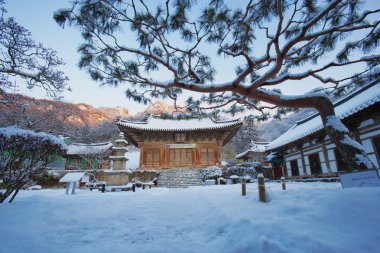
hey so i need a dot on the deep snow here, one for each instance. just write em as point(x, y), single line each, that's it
point(307, 217)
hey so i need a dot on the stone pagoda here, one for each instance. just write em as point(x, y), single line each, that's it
point(118, 174)
point(118, 153)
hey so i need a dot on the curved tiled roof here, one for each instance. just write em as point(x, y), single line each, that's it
point(155, 123)
point(344, 107)
point(88, 149)
point(257, 147)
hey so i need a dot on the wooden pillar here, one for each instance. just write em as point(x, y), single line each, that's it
point(140, 145)
point(283, 169)
point(283, 166)
point(67, 164)
point(219, 153)
point(302, 159)
point(88, 165)
point(243, 187)
point(325, 154)
point(198, 156)
point(320, 139)
point(283, 184)
point(261, 187)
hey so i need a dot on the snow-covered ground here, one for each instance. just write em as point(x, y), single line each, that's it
point(308, 217)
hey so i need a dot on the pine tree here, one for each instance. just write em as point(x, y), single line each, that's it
point(128, 42)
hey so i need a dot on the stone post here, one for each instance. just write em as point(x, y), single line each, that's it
point(261, 186)
point(283, 183)
point(68, 184)
point(74, 186)
point(243, 187)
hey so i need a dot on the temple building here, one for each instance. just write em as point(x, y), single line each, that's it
point(256, 152)
point(307, 150)
point(80, 156)
point(179, 143)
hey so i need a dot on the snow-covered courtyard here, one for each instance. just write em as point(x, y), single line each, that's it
point(307, 217)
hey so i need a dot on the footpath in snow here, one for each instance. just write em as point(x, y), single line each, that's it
point(308, 217)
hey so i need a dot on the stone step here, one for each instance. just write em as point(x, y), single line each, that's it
point(179, 178)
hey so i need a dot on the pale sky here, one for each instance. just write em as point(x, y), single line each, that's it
point(37, 17)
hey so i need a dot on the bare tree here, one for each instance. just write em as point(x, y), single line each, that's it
point(35, 115)
point(24, 154)
point(21, 57)
point(130, 41)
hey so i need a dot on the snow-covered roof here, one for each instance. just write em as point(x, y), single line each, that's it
point(160, 124)
point(72, 177)
point(344, 107)
point(12, 131)
point(256, 147)
point(88, 149)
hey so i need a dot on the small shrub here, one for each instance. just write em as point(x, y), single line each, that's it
point(47, 180)
point(212, 172)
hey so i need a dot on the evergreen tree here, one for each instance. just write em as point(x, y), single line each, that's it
point(126, 41)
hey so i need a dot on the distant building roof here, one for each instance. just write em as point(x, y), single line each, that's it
point(344, 107)
point(157, 123)
point(254, 147)
point(88, 149)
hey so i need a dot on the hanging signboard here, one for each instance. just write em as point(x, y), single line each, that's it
point(190, 145)
point(367, 178)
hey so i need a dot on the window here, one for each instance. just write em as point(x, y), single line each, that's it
point(152, 157)
point(294, 167)
point(207, 156)
point(315, 164)
point(181, 157)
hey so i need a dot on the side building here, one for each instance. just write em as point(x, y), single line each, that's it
point(179, 143)
point(80, 156)
point(256, 153)
point(307, 150)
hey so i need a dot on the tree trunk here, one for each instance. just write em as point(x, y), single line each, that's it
point(5, 195)
point(14, 195)
point(352, 151)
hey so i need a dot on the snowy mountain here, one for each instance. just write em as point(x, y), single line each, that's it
point(76, 114)
point(271, 130)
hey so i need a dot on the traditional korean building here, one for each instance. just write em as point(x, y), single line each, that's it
point(81, 156)
point(256, 152)
point(307, 150)
point(179, 143)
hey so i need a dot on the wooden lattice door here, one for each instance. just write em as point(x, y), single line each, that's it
point(181, 157)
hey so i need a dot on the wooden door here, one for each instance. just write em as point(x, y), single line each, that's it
point(208, 156)
point(294, 168)
point(315, 164)
point(152, 158)
point(277, 171)
point(181, 157)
